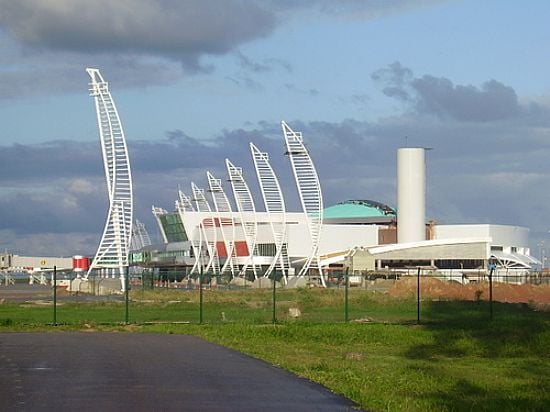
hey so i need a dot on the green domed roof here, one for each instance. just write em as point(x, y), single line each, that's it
point(358, 208)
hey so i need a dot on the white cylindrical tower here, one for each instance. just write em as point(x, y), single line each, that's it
point(411, 194)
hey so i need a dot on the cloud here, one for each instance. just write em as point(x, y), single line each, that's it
point(83, 186)
point(245, 82)
point(360, 98)
point(249, 71)
point(313, 92)
point(492, 101)
point(38, 73)
point(351, 9)
point(181, 30)
point(266, 65)
point(396, 80)
point(438, 96)
point(138, 43)
point(48, 244)
point(56, 159)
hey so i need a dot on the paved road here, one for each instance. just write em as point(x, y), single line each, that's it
point(145, 372)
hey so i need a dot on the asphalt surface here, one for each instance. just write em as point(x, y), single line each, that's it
point(23, 292)
point(61, 371)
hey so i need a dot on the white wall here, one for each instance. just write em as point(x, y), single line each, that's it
point(501, 235)
point(334, 238)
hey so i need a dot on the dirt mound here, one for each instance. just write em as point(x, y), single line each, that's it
point(444, 290)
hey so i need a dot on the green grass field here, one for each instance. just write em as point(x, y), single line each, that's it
point(457, 359)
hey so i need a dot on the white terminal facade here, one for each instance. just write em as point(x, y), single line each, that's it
point(231, 236)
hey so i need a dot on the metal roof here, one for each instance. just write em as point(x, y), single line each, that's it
point(358, 208)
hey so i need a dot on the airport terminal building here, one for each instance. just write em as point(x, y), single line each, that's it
point(211, 234)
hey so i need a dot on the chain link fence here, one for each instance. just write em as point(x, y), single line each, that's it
point(389, 296)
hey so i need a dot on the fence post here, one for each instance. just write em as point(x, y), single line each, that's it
point(55, 295)
point(274, 318)
point(346, 308)
point(200, 295)
point(126, 296)
point(418, 297)
point(491, 293)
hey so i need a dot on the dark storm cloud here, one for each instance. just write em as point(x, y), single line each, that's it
point(438, 96)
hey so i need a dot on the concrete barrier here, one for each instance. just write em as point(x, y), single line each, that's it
point(264, 283)
point(296, 282)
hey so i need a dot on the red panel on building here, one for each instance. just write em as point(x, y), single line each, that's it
point(80, 263)
point(241, 249)
point(222, 251)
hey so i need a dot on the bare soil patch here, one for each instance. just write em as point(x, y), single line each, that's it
point(444, 290)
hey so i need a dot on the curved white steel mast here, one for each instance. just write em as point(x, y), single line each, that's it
point(247, 210)
point(140, 237)
point(274, 205)
point(184, 205)
point(309, 190)
point(112, 252)
point(208, 225)
point(227, 224)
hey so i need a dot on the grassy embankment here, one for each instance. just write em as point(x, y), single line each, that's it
point(456, 360)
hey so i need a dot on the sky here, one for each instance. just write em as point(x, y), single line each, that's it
point(196, 80)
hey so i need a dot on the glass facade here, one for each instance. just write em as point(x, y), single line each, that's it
point(173, 227)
